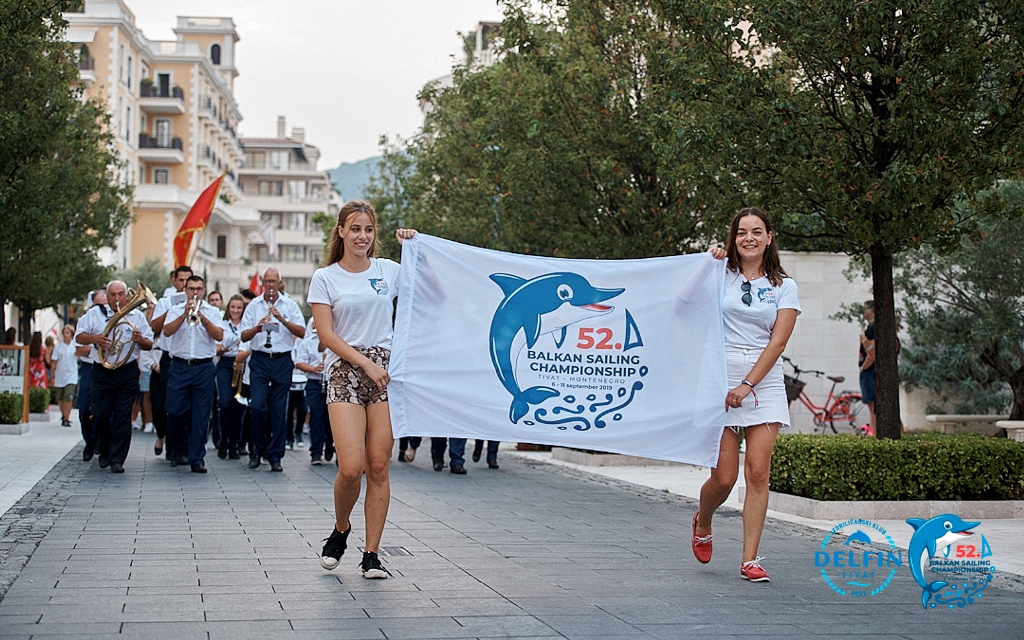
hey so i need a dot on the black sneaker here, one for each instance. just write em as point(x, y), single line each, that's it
point(371, 566)
point(328, 453)
point(316, 460)
point(334, 548)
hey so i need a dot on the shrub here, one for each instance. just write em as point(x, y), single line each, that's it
point(11, 405)
point(38, 400)
point(915, 467)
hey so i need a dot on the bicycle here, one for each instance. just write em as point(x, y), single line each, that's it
point(842, 408)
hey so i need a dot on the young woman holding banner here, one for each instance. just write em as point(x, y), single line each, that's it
point(352, 300)
point(759, 312)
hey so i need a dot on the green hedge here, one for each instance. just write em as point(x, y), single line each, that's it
point(916, 467)
point(38, 400)
point(11, 406)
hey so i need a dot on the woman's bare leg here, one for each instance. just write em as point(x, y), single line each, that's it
point(379, 443)
point(716, 489)
point(756, 469)
point(348, 425)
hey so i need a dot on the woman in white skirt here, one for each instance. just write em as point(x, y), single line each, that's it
point(759, 312)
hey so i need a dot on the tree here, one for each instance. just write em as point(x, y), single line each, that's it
point(965, 315)
point(60, 196)
point(859, 125)
point(149, 272)
point(569, 145)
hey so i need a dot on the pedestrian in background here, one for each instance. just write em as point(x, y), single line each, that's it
point(759, 311)
point(456, 453)
point(37, 378)
point(309, 358)
point(866, 360)
point(492, 452)
point(65, 373)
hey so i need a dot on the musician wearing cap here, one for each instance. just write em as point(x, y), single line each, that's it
point(193, 329)
point(115, 371)
point(270, 325)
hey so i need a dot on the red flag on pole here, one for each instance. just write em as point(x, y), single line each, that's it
point(256, 284)
point(195, 222)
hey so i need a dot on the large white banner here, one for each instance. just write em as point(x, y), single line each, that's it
point(624, 356)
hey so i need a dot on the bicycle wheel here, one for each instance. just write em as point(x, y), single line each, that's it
point(845, 412)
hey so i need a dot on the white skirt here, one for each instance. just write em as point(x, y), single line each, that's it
point(772, 405)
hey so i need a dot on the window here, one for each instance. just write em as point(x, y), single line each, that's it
point(163, 80)
point(222, 246)
point(294, 253)
point(279, 160)
point(120, 115)
point(297, 221)
point(121, 60)
point(131, 62)
point(256, 160)
point(315, 256)
point(297, 287)
point(274, 218)
point(271, 188)
point(297, 189)
point(161, 176)
point(128, 123)
point(215, 54)
point(162, 129)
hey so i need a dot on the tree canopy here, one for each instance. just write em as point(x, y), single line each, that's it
point(61, 198)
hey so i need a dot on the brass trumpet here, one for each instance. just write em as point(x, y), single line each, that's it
point(237, 373)
point(193, 315)
point(120, 330)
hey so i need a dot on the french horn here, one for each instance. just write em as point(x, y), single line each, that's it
point(119, 330)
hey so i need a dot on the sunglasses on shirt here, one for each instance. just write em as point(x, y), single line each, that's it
point(745, 287)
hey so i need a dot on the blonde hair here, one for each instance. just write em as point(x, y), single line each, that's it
point(351, 208)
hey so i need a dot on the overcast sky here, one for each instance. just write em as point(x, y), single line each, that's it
point(347, 71)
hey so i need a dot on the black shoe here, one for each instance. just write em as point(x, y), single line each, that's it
point(478, 448)
point(199, 467)
point(492, 464)
point(458, 469)
point(174, 461)
point(222, 454)
point(276, 466)
point(182, 460)
point(104, 463)
point(254, 461)
point(334, 548)
point(87, 454)
point(233, 454)
point(116, 467)
point(401, 455)
point(316, 460)
point(371, 566)
point(438, 465)
point(329, 454)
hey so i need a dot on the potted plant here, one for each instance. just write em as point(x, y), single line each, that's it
point(146, 87)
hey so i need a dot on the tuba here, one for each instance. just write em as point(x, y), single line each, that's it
point(120, 330)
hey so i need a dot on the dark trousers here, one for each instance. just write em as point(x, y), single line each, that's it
point(410, 442)
point(158, 395)
point(319, 424)
point(456, 449)
point(231, 411)
point(85, 415)
point(492, 449)
point(113, 392)
point(190, 386)
point(270, 380)
point(296, 416)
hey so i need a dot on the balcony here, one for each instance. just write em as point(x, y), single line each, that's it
point(151, 100)
point(87, 70)
point(153, 150)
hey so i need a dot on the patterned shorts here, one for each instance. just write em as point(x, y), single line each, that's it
point(349, 383)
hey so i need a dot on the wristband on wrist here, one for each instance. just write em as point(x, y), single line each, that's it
point(748, 383)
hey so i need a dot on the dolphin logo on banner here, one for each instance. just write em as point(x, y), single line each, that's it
point(537, 307)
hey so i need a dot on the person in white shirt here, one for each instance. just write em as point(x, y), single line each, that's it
point(162, 369)
point(352, 300)
point(270, 325)
point(86, 419)
point(231, 411)
point(190, 385)
point(759, 311)
point(114, 390)
point(309, 358)
point(65, 373)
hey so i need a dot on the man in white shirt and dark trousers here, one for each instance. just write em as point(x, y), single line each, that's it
point(190, 384)
point(309, 358)
point(162, 370)
point(114, 390)
point(270, 325)
point(85, 415)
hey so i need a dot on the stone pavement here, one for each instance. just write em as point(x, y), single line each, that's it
point(530, 550)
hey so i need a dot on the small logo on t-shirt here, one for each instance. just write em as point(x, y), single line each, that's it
point(380, 285)
point(766, 295)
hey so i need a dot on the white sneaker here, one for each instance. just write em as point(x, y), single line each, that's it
point(289, 446)
point(300, 445)
point(149, 428)
point(136, 425)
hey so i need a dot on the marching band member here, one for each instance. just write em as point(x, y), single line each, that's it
point(114, 390)
point(231, 411)
point(162, 369)
point(85, 354)
point(279, 318)
point(309, 358)
point(193, 329)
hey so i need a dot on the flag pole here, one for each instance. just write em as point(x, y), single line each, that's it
point(199, 236)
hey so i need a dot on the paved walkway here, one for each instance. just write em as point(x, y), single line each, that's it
point(530, 550)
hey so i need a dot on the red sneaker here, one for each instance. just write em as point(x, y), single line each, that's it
point(753, 571)
point(701, 545)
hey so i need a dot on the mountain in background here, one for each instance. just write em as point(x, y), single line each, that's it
point(351, 178)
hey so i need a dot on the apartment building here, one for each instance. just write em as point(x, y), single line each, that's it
point(279, 177)
point(175, 119)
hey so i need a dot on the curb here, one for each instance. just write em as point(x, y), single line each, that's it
point(891, 510)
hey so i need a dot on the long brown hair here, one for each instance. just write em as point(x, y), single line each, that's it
point(35, 346)
point(351, 208)
point(770, 264)
point(237, 296)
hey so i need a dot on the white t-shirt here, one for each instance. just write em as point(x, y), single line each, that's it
point(362, 303)
point(750, 326)
point(65, 372)
point(307, 351)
